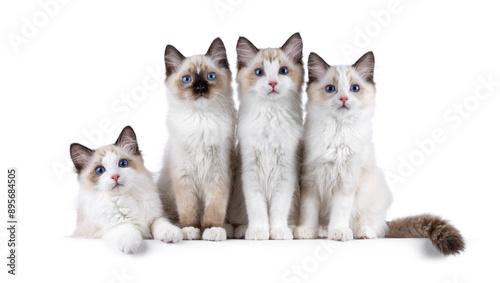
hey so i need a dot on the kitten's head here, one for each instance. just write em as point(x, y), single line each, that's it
point(272, 72)
point(116, 167)
point(343, 90)
point(200, 79)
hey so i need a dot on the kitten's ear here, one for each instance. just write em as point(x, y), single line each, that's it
point(293, 48)
point(246, 52)
point(173, 59)
point(365, 65)
point(80, 155)
point(217, 52)
point(317, 67)
point(128, 141)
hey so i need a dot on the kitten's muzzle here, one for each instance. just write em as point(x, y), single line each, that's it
point(200, 87)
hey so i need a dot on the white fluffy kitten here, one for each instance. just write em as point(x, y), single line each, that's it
point(340, 181)
point(269, 133)
point(343, 193)
point(118, 199)
point(196, 178)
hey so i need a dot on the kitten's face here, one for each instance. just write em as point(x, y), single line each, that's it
point(270, 73)
point(201, 79)
point(344, 90)
point(113, 168)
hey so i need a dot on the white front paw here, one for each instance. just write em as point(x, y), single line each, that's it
point(168, 234)
point(281, 233)
point(214, 234)
point(340, 234)
point(191, 233)
point(304, 232)
point(366, 233)
point(322, 232)
point(256, 233)
point(128, 242)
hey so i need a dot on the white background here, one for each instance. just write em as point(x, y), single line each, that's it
point(75, 69)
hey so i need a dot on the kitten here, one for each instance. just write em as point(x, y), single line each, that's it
point(118, 199)
point(196, 177)
point(269, 132)
point(343, 193)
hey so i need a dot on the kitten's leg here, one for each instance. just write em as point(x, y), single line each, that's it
point(281, 202)
point(309, 214)
point(258, 219)
point(322, 232)
point(165, 231)
point(216, 200)
point(229, 230)
point(338, 228)
point(126, 237)
point(240, 231)
point(372, 201)
point(187, 207)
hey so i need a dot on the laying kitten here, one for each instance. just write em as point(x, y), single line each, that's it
point(196, 177)
point(269, 132)
point(118, 199)
point(343, 193)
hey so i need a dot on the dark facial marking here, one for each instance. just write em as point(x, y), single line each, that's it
point(200, 86)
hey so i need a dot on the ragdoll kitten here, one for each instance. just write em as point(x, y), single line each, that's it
point(343, 193)
point(196, 177)
point(269, 132)
point(118, 199)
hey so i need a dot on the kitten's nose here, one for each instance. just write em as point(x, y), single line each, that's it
point(115, 177)
point(273, 84)
point(343, 99)
point(200, 86)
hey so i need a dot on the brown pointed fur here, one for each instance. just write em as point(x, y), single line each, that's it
point(444, 236)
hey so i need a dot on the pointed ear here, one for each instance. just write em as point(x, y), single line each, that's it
point(128, 141)
point(80, 155)
point(317, 67)
point(365, 66)
point(217, 52)
point(293, 48)
point(246, 52)
point(173, 59)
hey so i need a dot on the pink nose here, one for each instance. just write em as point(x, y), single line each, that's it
point(115, 177)
point(273, 84)
point(343, 99)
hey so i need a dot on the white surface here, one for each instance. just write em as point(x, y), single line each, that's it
point(78, 70)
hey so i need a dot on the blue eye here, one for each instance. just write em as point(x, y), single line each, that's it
point(355, 88)
point(211, 76)
point(123, 163)
point(284, 71)
point(186, 79)
point(259, 72)
point(99, 170)
point(330, 88)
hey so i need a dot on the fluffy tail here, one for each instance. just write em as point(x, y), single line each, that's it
point(444, 236)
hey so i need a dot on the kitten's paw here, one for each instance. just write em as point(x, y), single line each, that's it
point(214, 234)
point(281, 233)
point(240, 231)
point(129, 241)
point(169, 234)
point(229, 230)
point(257, 234)
point(340, 234)
point(304, 232)
point(366, 233)
point(191, 233)
point(322, 232)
